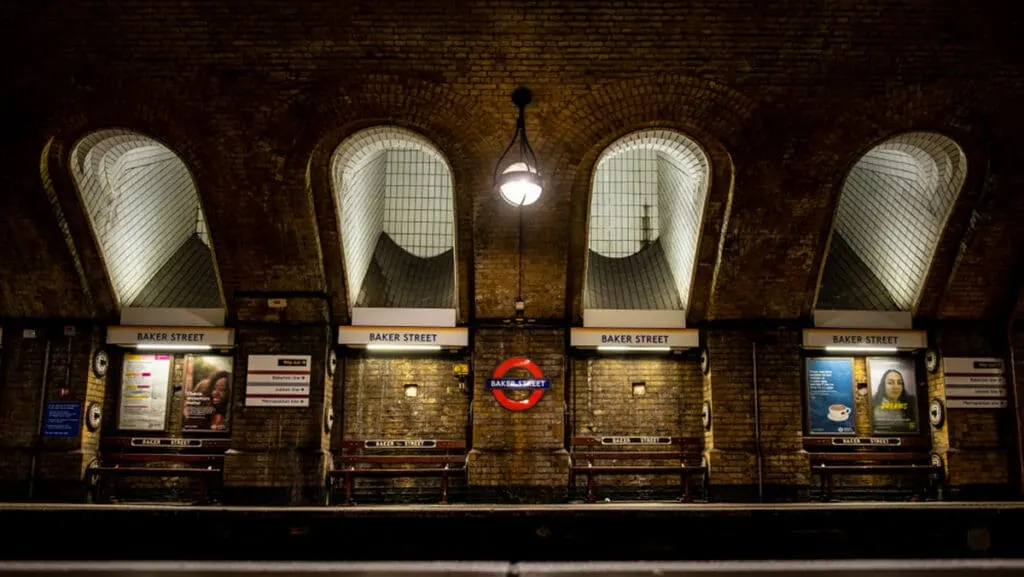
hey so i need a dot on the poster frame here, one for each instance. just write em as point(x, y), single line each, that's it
point(231, 393)
point(922, 411)
point(804, 389)
point(167, 396)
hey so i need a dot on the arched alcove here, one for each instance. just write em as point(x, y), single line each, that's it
point(647, 200)
point(394, 194)
point(892, 211)
point(144, 210)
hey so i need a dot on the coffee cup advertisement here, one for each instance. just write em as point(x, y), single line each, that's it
point(830, 396)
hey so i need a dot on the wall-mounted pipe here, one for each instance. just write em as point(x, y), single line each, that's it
point(1015, 395)
point(757, 426)
point(38, 444)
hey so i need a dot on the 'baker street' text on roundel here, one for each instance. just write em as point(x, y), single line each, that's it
point(498, 384)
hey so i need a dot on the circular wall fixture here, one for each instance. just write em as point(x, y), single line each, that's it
point(332, 362)
point(931, 360)
point(705, 415)
point(705, 361)
point(936, 413)
point(100, 363)
point(93, 416)
point(329, 420)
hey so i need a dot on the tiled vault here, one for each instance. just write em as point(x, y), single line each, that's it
point(647, 202)
point(394, 195)
point(892, 211)
point(144, 210)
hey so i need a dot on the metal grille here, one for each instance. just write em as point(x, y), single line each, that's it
point(894, 206)
point(418, 202)
point(624, 210)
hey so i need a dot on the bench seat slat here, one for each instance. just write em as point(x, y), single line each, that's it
point(630, 455)
point(154, 471)
point(635, 469)
point(402, 459)
point(874, 456)
point(417, 472)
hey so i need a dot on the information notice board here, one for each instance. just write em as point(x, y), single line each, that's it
point(144, 383)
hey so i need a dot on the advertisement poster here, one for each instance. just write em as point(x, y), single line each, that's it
point(144, 382)
point(893, 394)
point(207, 393)
point(830, 396)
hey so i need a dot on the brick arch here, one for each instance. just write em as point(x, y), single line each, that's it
point(709, 113)
point(948, 109)
point(340, 109)
point(81, 113)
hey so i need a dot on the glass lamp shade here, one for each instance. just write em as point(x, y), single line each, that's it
point(519, 184)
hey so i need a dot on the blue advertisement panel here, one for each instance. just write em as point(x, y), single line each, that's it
point(830, 396)
point(62, 419)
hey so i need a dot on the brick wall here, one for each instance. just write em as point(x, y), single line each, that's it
point(731, 441)
point(516, 452)
point(279, 455)
point(603, 403)
point(981, 445)
point(376, 406)
point(59, 461)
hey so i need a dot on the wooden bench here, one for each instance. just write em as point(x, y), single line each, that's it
point(901, 456)
point(396, 458)
point(618, 455)
point(199, 459)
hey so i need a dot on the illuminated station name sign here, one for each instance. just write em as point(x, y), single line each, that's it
point(887, 340)
point(362, 336)
point(129, 335)
point(403, 337)
point(850, 339)
point(634, 338)
point(149, 337)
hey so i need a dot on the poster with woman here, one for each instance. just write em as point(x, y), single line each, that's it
point(207, 393)
point(893, 395)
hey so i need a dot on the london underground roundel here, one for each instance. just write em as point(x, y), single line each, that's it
point(536, 384)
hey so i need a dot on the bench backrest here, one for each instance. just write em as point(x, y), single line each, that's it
point(153, 451)
point(166, 445)
point(866, 444)
point(636, 447)
point(110, 459)
point(868, 450)
point(876, 457)
point(403, 445)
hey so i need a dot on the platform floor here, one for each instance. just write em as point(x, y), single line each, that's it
point(516, 533)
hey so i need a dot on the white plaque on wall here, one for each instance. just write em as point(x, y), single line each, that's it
point(278, 381)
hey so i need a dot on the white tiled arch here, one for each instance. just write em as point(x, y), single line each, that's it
point(391, 180)
point(141, 201)
point(670, 173)
point(894, 206)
